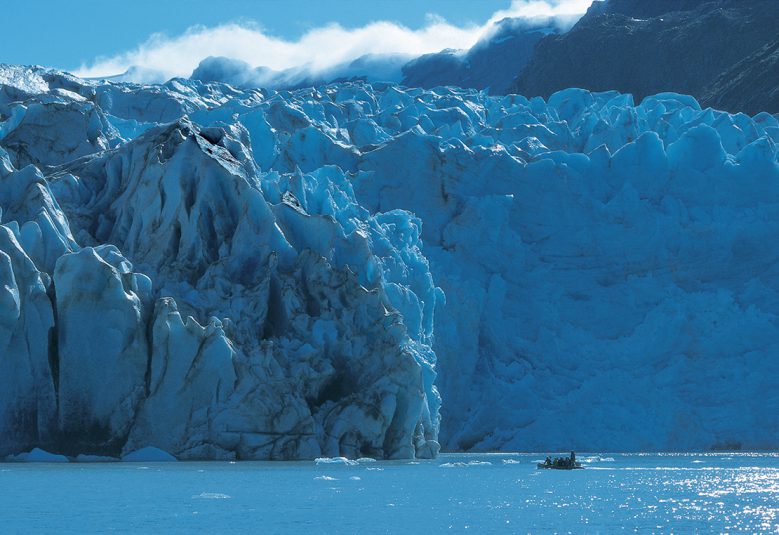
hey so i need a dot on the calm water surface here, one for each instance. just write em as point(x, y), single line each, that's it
point(457, 493)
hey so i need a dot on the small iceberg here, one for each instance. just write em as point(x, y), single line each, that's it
point(335, 460)
point(82, 458)
point(149, 454)
point(465, 465)
point(37, 455)
point(211, 496)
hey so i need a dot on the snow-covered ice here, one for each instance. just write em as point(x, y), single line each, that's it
point(252, 274)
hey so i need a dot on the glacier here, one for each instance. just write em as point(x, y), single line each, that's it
point(244, 273)
point(160, 291)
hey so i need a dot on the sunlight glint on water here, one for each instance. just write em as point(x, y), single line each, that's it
point(455, 493)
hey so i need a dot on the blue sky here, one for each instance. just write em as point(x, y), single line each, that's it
point(43, 32)
point(103, 37)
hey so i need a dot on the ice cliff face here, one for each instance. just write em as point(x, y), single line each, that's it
point(165, 292)
point(227, 273)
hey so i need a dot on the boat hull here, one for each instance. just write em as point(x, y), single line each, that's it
point(542, 466)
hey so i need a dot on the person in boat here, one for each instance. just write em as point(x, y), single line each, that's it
point(548, 461)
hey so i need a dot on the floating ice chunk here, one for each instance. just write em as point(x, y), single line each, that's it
point(589, 459)
point(211, 496)
point(149, 454)
point(465, 464)
point(82, 458)
point(37, 455)
point(335, 460)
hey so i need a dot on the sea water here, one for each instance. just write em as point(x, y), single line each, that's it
point(460, 493)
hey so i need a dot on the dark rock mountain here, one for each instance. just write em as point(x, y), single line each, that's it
point(642, 8)
point(490, 64)
point(706, 48)
point(752, 85)
point(723, 52)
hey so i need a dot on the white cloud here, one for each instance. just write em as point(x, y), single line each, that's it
point(559, 9)
point(317, 49)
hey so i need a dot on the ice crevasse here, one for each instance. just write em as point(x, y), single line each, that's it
point(225, 273)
